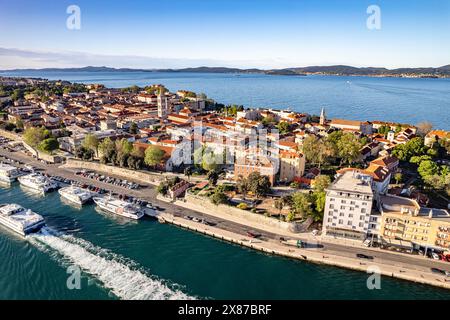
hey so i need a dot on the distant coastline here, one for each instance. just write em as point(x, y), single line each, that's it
point(338, 70)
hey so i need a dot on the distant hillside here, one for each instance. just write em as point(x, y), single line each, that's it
point(443, 71)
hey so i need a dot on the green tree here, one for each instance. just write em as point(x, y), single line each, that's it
point(283, 127)
point(242, 186)
point(279, 205)
point(133, 128)
point(349, 148)
point(259, 185)
point(320, 198)
point(17, 94)
point(398, 177)
point(333, 139)
point(33, 136)
point(219, 196)
point(153, 156)
point(314, 149)
point(301, 204)
point(213, 177)
point(427, 168)
point(384, 130)
point(414, 147)
point(107, 148)
point(123, 147)
point(321, 182)
point(209, 161)
point(48, 145)
point(162, 188)
point(91, 142)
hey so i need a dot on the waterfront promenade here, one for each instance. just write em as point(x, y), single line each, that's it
point(327, 251)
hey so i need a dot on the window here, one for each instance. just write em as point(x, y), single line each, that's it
point(343, 201)
point(349, 223)
point(331, 206)
point(363, 210)
point(361, 224)
point(341, 221)
point(361, 217)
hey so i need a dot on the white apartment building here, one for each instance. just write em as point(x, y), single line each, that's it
point(348, 207)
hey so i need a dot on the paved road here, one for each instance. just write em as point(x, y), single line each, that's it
point(148, 192)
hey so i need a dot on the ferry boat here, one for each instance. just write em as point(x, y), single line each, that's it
point(8, 173)
point(75, 194)
point(119, 207)
point(19, 219)
point(38, 182)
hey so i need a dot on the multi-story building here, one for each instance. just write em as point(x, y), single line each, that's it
point(352, 125)
point(246, 165)
point(292, 165)
point(348, 207)
point(404, 223)
point(436, 135)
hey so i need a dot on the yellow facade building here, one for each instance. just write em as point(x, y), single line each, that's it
point(404, 220)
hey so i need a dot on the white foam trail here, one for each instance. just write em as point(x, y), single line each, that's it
point(114, 273)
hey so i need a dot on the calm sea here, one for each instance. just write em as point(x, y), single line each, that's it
point(148, 260)
point(358, 98)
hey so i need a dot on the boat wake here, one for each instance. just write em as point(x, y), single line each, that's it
point(116, 273)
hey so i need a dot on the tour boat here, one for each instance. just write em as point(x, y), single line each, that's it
point(119, 207)
point(75, 194)
point(38, 182)
point(8, 173)
point(19, 219)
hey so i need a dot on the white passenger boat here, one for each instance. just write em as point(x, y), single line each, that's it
point(75, 194)
point(8, 173)
point(119, 207)
point(19, 219)
point(37, 182)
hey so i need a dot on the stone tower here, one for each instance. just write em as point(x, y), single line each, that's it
point(323, 119)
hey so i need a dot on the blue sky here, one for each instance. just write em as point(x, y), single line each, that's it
point(241, 33)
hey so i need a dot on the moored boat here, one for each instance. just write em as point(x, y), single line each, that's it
point(119, 207)
point(8, 173)
point(75, 194)
point(37, 182)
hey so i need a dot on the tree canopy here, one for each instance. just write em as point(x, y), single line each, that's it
point(153, 155)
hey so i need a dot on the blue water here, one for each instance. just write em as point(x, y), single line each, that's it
point(145, 259)
point(358, 98)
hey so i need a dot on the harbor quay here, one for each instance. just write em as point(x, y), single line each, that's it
point(323, 250)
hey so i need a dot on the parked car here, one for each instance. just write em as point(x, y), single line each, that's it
point(439, 271)
point(435, 256)
point(252, 234)
point(364, 256)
